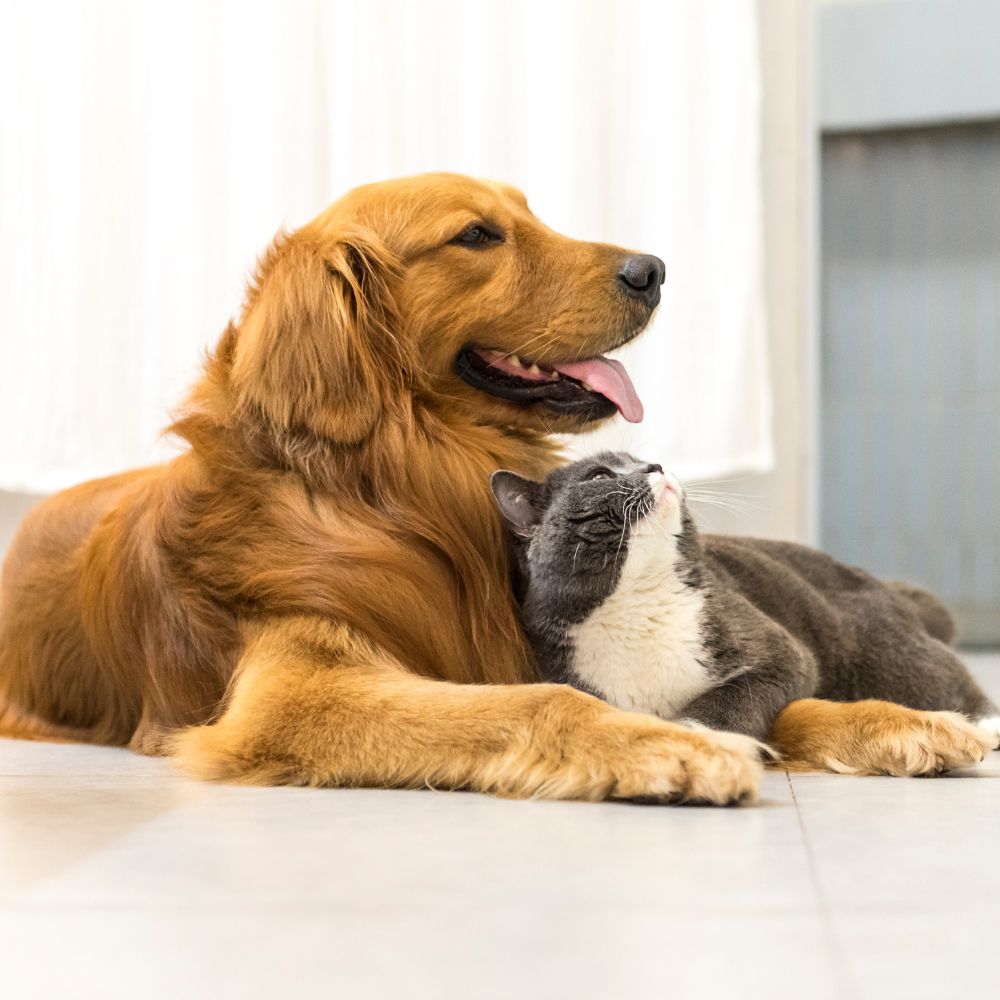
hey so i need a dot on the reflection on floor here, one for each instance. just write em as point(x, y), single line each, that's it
point(119, 878)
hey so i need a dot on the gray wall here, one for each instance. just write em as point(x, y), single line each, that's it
point(911, 361)
point(910, 275)
point(889, 63)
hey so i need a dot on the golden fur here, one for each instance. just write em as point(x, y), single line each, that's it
point(875, 737)
point(317, 590)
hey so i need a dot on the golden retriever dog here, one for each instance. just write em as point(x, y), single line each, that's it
point(316, 591)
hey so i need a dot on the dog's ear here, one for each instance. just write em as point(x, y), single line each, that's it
point(318, 347)
point(519, 500)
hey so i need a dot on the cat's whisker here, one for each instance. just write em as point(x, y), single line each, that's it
point(719, 482)
point(720, 500)
point(626, 518)
point(736, 497)
point(709, 487)
point(733, 505)
point(745, 504)
point(728, 504)
point(721, 493)
point(621, 538)
point(735, 512)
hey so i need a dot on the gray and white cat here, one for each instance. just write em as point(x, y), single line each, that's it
point(620, 596)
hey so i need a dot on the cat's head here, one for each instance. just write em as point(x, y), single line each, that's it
point(574, 532)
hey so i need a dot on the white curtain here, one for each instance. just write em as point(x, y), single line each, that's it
point(149, 151)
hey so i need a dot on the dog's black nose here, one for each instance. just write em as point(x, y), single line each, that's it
point(641, 276)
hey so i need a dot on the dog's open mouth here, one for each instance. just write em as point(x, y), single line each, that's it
point(594, 387)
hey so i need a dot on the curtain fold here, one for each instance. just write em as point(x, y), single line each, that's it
point(148, 153)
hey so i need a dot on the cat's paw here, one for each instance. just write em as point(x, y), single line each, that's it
point(991, 723)
point(877, 737)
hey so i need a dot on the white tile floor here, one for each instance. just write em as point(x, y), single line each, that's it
point(121, 879)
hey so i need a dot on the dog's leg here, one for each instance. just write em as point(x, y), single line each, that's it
point(875, 737)
point(17, 723)
point(315, 704)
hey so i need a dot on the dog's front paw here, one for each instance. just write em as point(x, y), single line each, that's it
point(931, 743)
point(671, 763)
point(765, 752)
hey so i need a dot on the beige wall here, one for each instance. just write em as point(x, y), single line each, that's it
point(782, 499)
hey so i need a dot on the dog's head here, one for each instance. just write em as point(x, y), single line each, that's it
point(444, 287)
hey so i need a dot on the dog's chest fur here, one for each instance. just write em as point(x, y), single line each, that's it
point(641, 648)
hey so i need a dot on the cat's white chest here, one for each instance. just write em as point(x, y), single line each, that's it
point(642, 648)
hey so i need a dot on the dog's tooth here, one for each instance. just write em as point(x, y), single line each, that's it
point(555, 376)
point(535, 370)
point(587, 386)
point(515, 360)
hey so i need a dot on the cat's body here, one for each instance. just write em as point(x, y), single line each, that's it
point(622, 597)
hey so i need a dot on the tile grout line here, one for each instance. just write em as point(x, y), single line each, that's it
point(845, 983)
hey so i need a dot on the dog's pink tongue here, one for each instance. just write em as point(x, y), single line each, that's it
point(609, 378)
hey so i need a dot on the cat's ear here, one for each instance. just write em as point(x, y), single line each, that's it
point(519, 500)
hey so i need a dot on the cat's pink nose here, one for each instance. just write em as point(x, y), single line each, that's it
point(659, 482)
point(662, 483)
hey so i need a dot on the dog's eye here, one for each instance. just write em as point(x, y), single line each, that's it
point(601, 474)
point(477, 235)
